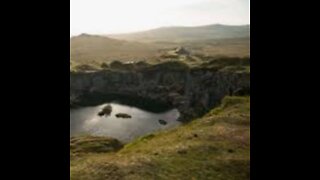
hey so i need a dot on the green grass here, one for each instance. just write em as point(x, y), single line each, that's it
point(215, 146)
point(221, 64)
point(84, 145)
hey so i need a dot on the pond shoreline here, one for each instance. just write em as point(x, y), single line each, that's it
point(86, 120)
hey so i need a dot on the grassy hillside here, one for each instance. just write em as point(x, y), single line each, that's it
point(181, 34)
point(234, 47)
point(216, 146)
point(149, 46)
point(93, 49)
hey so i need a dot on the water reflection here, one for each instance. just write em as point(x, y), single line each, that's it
point(87, 121)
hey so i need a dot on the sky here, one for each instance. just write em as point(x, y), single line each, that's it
point(122, 16)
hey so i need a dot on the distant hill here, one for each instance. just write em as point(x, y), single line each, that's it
point(92, 48)
point(180, 34)
point(211, 40)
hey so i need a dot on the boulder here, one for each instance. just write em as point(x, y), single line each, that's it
point(123, 115)
point(163, 122)
point(106, 111)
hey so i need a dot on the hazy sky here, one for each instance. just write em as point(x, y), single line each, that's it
point(119, 16)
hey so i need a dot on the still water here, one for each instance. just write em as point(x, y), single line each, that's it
point(86, 120)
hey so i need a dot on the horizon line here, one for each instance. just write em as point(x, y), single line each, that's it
point(159, 27)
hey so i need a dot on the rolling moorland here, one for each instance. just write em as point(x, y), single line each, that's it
point(204, 72)
point(151, 46)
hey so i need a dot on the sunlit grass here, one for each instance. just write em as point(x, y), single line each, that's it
point(216, 146)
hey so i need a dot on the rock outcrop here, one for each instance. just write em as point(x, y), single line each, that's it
point(192, 91)
point(106, 111)
point(123, 115)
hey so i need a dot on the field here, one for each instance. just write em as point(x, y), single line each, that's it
point(152, 46)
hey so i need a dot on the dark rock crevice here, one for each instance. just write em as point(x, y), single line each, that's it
point(192, 91)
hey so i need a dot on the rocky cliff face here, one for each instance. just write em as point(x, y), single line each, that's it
point(192, 91)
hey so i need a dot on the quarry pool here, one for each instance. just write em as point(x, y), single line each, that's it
point(123, 123)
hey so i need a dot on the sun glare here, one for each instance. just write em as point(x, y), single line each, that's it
point(120, 16)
